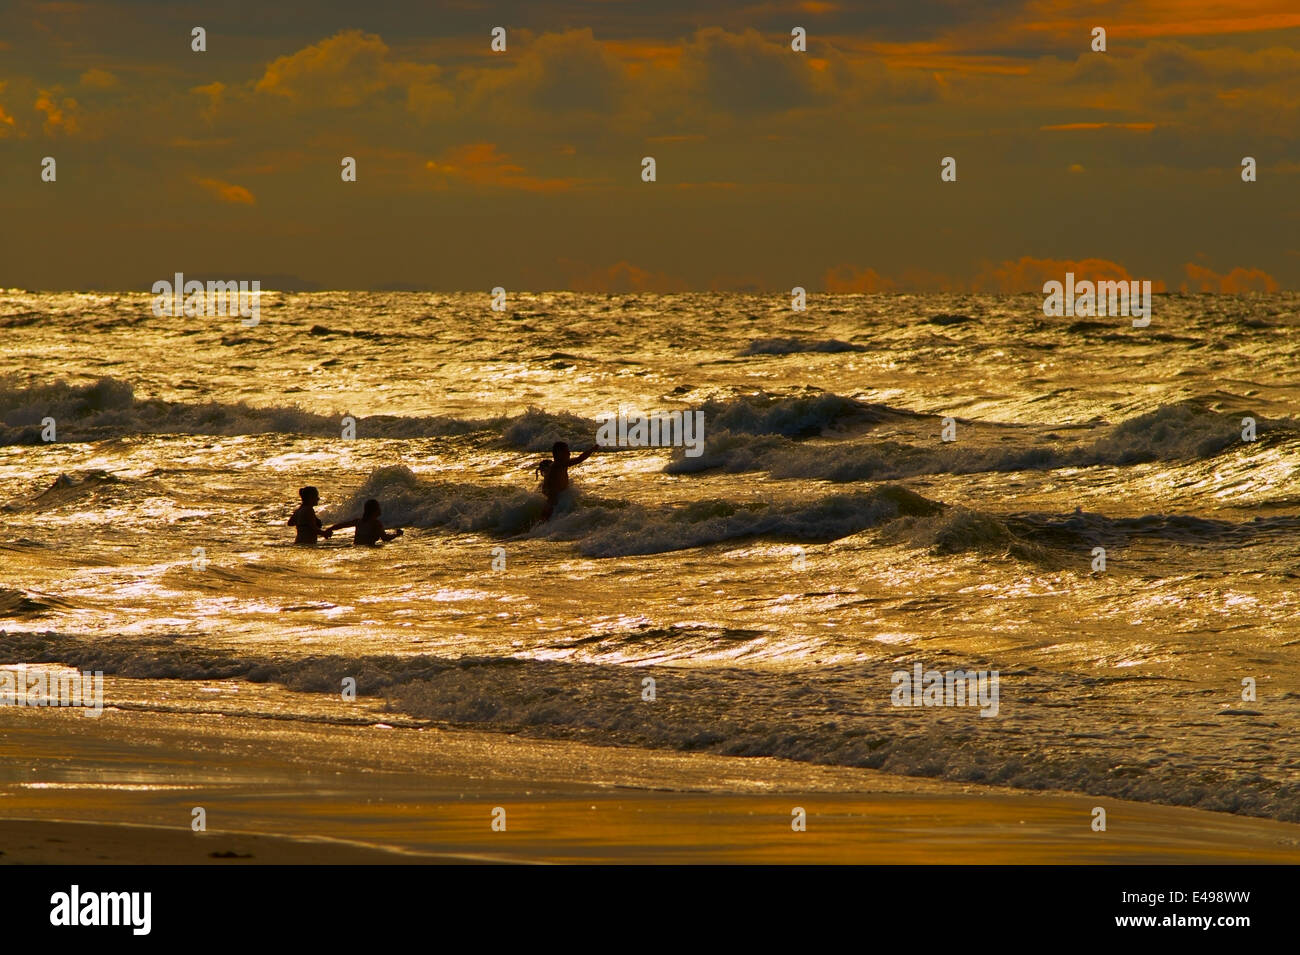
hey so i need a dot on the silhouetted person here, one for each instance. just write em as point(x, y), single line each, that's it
point(370, 529)
point(555, 476)
point(305, 519)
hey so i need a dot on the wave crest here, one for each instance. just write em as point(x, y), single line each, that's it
point(1186, 431)
point(602, 527)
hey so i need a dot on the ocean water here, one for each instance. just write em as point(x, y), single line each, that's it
point(826, 537)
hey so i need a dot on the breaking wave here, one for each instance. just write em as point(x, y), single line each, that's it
point(110, 408)
point(602, 527)
point(1180, 432)
point(835, 715)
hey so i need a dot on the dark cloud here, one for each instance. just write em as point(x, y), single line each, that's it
point(745, 73)
point(771, 162)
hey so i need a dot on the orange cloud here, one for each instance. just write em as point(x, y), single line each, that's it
point(214, 92)
point(636, 53)
point(1237, 282)
point(848, 278)
point(1047, 26)
point(1159, 18)
point(228, 192)
point(1028, 274)
point(625, 277)
point(1198, 17)
point(60, 115)
point(98, 79)
point(5, 119)
point(480, 164)
point(949, 56)
point(347, 69)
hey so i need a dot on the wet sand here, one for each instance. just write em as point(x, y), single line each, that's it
point(121, 789)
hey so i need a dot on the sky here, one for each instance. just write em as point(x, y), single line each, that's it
point(775, 168)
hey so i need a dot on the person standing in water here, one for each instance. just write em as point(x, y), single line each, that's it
point(370, 529)
point(305, 519)
point(555, 481)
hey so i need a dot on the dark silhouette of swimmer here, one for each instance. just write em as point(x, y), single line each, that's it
point(370, 529)
point(555, 474)
point(305, 519)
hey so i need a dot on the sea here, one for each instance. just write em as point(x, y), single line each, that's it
point(1102, 518)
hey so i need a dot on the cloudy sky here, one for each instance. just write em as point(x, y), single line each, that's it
point(775, 168)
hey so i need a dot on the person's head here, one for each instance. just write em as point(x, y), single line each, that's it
point(371, 509)
point(560, 450)
point(543, 467)
point(310, 496)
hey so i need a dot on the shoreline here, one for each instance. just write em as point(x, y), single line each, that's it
point(122, 789)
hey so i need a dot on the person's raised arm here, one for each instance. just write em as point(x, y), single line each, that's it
point(583, 456)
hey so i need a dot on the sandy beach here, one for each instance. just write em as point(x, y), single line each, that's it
point(121, 789)
point(609, 433)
